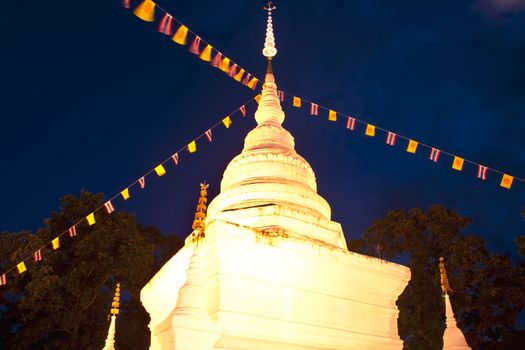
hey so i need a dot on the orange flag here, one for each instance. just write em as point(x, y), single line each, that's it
point(258, 98)
point(506, 181)
point(180, 35)
point(412, 146)
point(332, 116)
point(370, 130)
point(239, 75)
point(146, 11)
point(296, 101)
point(225, 65)
point(206, 53)
point(458, 163)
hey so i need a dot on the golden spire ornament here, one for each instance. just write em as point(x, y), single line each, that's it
point(115, 304)
point(200, 213)
point(269, 50)
point(444, 279)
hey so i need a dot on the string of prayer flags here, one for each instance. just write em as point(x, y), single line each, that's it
point(55, 243)
point(195, 46)
point(332, 116)
point(457, 164)
point(227, 122)
point(180, 35)
point(125, 194)
point(208, 134)
point(21, 267)
point(412, 146)
point(350, 123)
point(142, 182)
point(506, 181)
point(482, 172)
point(391, 138)
point(166, 24)
point(370, 130)
point(109, 207)
point(146, 11)
point(206, 53)
point(296, 101)
point(159, 169)
point(91, 218)
point(314, 109)
point(72, 231)
point(434, 154)
point(3, 280)
point(175, 158)
point(192, 147)
point(37, 256)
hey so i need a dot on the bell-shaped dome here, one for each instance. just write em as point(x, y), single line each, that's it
point(269, 170)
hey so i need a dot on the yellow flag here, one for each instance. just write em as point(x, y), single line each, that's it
point(258, 98)
point(180, 35)
point(296, 101)
point(91, 219)
point(159, 169)
point(412, 146)
point(225, 65)
point(206, 53)
point(332, 116)
point(239, 75)
point(55, 243)
point(192, 147)
point(21, 267)
point(506, 181)
point(227, 122)
point(370, 130)
point(458, 163)
point(146, 11)
point(125, 194)
point(253, 83)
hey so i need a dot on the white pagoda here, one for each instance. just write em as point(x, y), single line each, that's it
point(267, 268)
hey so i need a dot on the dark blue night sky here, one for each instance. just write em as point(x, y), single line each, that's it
point(92, 98)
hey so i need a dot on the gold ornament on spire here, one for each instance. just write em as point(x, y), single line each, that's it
point(200, 213)
point(116, 301)
point(269, 50)
point(444, 279)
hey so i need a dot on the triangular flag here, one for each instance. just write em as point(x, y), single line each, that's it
point(257, 98)
point(37, 255)
point(208, 134)
point(145, 11)
point(192, 147)
point(21, 267)
point(247, 79)
point(159, 169)
point(3, 280)
point(175, 158)
point(233, 70)
point(180, 35)
point(91, 219)
point(142, 182)
point(412, 146)
point(165, 25)
point(125, 194)
point(370, 130)
point(253, 83)
point(227, 122)
point(126, 4)
point(458, 163)
point(506, 181)
point(216, 60)
point(206, 54)
point(225, 65)
point(296, 101)
point(239, 75)
point(243, 110)
point(72, 231)
point(109, 207)
point(195, 46)
point(332, 116)
point(55, 243)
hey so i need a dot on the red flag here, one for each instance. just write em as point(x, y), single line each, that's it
point(482, 172)
point(142, 182)
point(281, 95)
point(350, 123)
point(175, 158)
point(165, 26)
point(126, 3)
point(3, 280)
point(72, 231)
point(37, 255)
point(391, 139)
point(233, 70)
point(314, 109)
point(208, 134)
point(434, 155)
point(109, 207)
point(194, 48)
point(247, 79)
point(243, 110)
point(216, 61)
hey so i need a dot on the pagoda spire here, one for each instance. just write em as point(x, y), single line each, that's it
point(453, 338)
point(199, 224)
point(110, 339)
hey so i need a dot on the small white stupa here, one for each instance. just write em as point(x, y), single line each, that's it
point(453, 338)
point(267, 268)
point(110, 339)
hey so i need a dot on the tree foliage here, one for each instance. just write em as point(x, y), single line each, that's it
point(63, 301)
point(488, 289)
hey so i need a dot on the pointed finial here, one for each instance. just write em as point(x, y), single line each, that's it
point(200, 212)
point(444, 279)
point(269, 50)
point(116, 301)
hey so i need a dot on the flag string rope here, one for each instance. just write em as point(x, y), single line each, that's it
point(332, 115)
point(225, 121)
